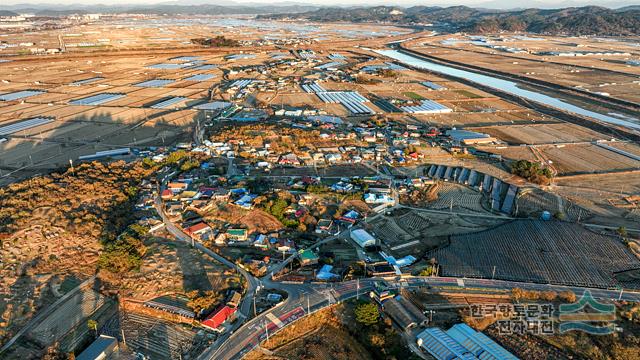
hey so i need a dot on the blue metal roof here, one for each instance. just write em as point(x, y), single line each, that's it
point(442, 346)
point(20, 95)
point(478, 343)
point(97, 99)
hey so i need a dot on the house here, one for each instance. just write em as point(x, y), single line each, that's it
point(237, 234)
point(174, 209)
point(325, 273)
point(323, 225)
point(289, 159)
point(200, 230)
point(308, 257)
point(350, 216)
point(371, 198)
point(341, 186)
point(177, 187)
point(285, 245)
point(261, 241)
point(246, 201)
point(234, 299)
point(219, 317)
point(166, 194)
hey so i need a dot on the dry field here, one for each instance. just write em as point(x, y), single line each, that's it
point(542, 133)
point(582, 71)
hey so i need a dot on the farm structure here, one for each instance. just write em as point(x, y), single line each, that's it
point(538, 251)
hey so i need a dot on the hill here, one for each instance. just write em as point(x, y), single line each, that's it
point(586, 20)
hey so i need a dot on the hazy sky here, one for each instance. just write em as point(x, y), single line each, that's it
point(490, 3)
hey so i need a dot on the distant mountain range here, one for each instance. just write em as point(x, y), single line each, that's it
point(588, 20)
point(170, 8)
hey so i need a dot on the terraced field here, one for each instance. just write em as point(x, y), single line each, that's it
point(538, 251)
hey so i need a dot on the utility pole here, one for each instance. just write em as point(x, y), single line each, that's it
point(266, 330)
point(308, 305)
point(124, 340)
point(493, 274)
point(254, 306)
point(358, 289)
point(620, 296)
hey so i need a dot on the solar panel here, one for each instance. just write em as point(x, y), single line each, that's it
point(20, 95)
point(169, 102)
point(24, 125)
point(97, 99)
point(200, 77)
point(205, 67)
point(86, 81)
point(167, 66)
point(155, 83)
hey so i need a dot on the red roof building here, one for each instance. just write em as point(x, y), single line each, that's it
point(218, 317)
point(197, 229)
point(166, 194)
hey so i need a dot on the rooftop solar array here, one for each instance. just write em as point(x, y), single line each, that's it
point(200, 77)
point(20, 95)
point(4, 61)
point(336, 57)
point(155, 83)
point(426, 107)
point(24, 125)
point(97, 99)
point(86, 81)
point(169, 102)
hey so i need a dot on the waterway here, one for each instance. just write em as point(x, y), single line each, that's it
point(509, 87)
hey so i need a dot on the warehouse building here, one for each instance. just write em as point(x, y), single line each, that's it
point(461, 342)
point(362, 238)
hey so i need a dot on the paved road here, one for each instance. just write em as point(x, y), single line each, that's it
point(308, 298)
point(251, 282)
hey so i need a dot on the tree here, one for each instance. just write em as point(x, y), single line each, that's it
point(367, 313)
point(93, 325)
point(622, 231)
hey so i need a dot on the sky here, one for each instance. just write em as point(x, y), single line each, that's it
point(507, 4)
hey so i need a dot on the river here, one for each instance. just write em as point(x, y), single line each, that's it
point(509, 87)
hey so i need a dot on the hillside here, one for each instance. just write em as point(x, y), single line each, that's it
point(571, 21)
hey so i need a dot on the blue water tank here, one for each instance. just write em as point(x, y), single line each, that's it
point(546, 216)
